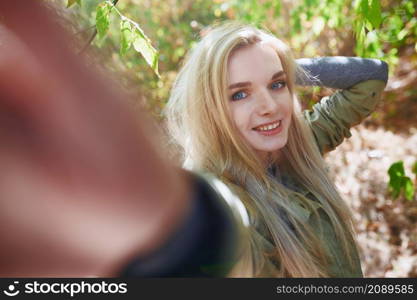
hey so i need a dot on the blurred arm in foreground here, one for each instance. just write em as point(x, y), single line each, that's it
point(83, 188)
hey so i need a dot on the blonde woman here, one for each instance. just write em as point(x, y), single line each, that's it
point(235, 116)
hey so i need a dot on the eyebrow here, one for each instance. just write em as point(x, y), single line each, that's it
point(277, 75)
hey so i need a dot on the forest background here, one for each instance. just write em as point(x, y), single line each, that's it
point(143, 42)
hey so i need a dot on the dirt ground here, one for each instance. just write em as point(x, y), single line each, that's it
point(386, 228)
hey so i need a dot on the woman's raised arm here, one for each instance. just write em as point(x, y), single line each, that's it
point(362, 81)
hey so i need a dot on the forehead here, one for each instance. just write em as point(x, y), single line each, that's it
point(253, 63)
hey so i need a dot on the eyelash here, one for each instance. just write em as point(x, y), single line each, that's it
point(233, 97)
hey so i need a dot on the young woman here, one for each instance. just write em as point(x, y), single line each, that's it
point(235, 116)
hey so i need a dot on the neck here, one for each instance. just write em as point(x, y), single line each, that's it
point(269, 158)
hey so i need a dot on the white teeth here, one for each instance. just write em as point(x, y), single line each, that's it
point(269, 127)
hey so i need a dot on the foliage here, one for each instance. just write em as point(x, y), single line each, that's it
point(400, 182)
point(368, 28)
point(130, 32)
point(102, 18)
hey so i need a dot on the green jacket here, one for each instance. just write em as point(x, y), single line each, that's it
point(330, 121)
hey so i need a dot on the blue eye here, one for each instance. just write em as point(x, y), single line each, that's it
point(239, 95)
point(278, 85)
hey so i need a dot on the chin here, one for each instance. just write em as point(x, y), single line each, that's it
point(272, 148)
point(275, 148)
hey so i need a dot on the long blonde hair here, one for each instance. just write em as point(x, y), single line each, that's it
point(200, 124)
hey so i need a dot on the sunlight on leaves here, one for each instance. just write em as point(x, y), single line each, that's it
point(103, 18)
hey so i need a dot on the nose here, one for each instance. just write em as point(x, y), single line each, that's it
point(267, 105)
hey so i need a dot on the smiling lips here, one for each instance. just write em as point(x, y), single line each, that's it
point(269, 126)
point(269, 129)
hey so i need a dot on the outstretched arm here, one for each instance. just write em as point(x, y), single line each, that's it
point(82, 184)
point(84, 188)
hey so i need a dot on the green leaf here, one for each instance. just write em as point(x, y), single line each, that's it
point(408, 189)
point(374, 13)
point(126, 37)
point(359, 30)
point(143, 45)
point(410, 7)
point(309, 15)
point(399, 181)
point(395, 187)
point(297, 23)
point(368, 25)
point(402, 34)
point(103, 18)
point(72, 2)
point(396, 174)
point(360, 41)
point(277, 8)
point(396, 169)
point(364, 7)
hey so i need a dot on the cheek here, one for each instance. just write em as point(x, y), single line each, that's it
point(240, 117)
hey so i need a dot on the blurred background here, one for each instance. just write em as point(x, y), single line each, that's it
point(143, 42)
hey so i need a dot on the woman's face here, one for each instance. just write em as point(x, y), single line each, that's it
point(259, 99)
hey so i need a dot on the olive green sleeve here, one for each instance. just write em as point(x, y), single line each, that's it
point(331, 119)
